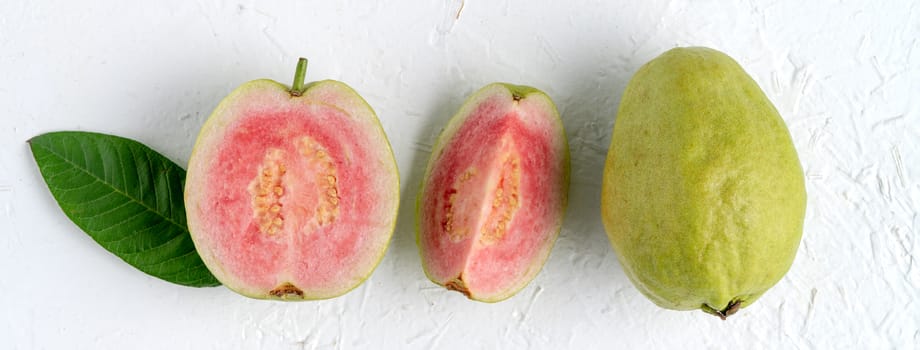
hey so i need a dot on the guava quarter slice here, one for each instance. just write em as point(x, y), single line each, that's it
point(292, 193)
point(491, 205)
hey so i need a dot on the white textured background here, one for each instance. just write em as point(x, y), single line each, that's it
point(845, 75)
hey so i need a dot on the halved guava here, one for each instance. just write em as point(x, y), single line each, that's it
point(491, 205)
point(292, 194)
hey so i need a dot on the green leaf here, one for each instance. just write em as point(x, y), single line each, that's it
point(127, 197)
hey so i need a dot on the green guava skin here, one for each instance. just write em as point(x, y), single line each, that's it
point(703, 195)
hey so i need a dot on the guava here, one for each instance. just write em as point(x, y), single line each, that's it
point(292, 193)
point(494, 192)
point(703, 195)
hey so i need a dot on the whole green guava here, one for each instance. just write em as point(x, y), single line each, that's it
point(703, 195)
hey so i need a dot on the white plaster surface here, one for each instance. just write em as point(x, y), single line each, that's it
point(845, 75)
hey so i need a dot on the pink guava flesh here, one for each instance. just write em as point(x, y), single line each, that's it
point(495, 191)
point(292, 197)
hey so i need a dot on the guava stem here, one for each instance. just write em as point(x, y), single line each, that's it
point(729, 310)
point(297, 88)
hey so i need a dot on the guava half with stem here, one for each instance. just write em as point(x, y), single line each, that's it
point(495, 189)
point(292, 192)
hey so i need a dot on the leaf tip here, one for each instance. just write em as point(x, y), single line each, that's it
point(35, 138)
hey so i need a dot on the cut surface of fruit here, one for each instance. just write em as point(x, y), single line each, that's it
point(292, 197)
point(495, 189)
